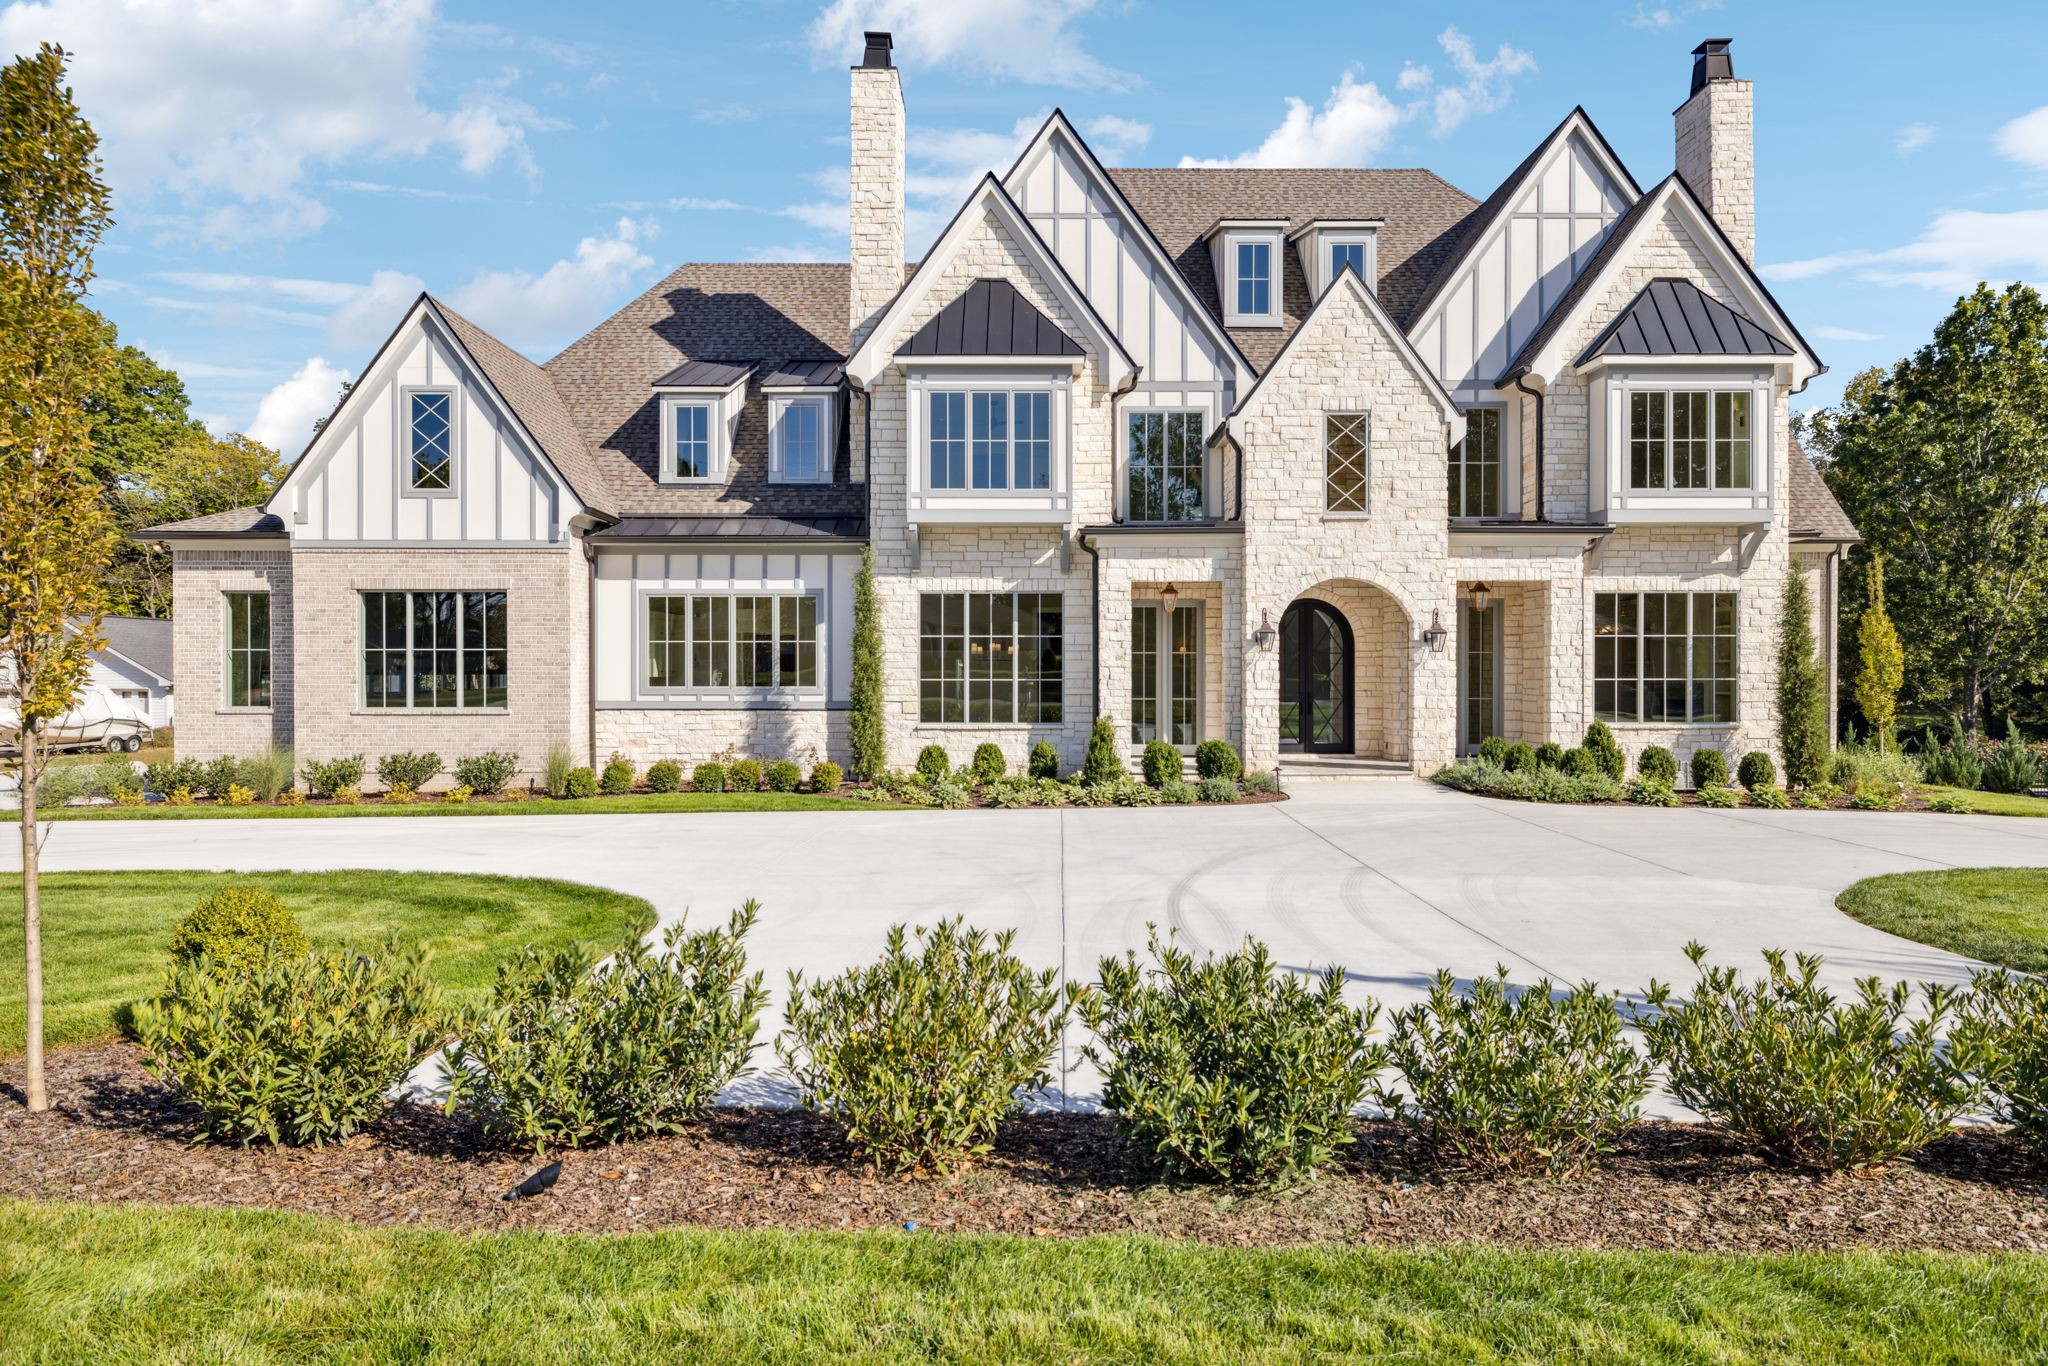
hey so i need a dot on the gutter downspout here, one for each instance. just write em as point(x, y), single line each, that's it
point(1522, 383)
point(1095, 638)
point(590, 635)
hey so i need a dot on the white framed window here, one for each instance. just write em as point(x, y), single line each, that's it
point(1252, 279)
point(1664, 657)
point(427, 425)
point(1165, 466)
point(1690, 439)
point(248, 646)
point(696, 435)
point(992, 658)
point(435, 649)
point(802, 439)
point(988, 445)
point(1357, 250)
point(989, 439)
point(761, 642)
point(1475, 466)
point(1347, 462)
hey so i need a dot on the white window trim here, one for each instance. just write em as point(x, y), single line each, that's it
point(779, 403)
point(732, 692)
point(1234, 238)
point(725, 407)
point(1367, 238)
point(1210, 495)
point(1751, 506)
point(1051, 504)
point(403, 444)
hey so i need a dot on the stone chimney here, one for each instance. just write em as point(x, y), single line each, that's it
point(876, 201)
point(1717, 144)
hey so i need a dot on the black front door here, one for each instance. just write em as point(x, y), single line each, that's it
point(1315, 679)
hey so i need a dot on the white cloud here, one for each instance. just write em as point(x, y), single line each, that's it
point(1912, 138)
point(284, 419)
point(1486, 86)
point(524, 309)
point(1022, 40)
point(1669, 16)
point(1114, 139)
point(2025, 139)
point(1355, 122)
point(1957, 249)
point(229, 105)
point(1845, 334)
point(367, 316)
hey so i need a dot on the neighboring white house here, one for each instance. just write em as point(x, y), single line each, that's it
point(136, 665)
point(1344, 466)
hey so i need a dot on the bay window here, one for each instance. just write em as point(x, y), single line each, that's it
point(995, 658)
point(759, 641)
point(989, 439)
point(434, 649)
point(1664, 657)
point(1164, 471)
point(1689, 439)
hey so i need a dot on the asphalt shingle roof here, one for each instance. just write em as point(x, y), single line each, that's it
point(146, 640)
point(1814, 513)
point(234, 522)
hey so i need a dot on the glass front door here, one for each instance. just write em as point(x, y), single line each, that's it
point(1478, 674)
point(1166, 656)
point(1315, 679)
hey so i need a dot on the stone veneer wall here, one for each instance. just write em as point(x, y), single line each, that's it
point(207, 727)
point(875, 195)
point(690, 737)
point(1716, 145)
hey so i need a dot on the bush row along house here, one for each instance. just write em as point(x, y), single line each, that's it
point(1343, 466)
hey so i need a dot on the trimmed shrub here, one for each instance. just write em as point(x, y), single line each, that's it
point(1162, 763)
point(1812, 1081)
point(168, 776)
point(1104, 762)
point(1756, 770)
point(1659, 763)
point(268, 773)
point(409, 770)
point(555, 776)
point(2012, 766)
point(487, 774)
point(564, 1056)
point(617, 779)
point(783, 776)
point(296, 1047)
point(989, 763)
point(1512, 1080)
point(1217, 759)
point(1520, 758)
point(744, 776)
point(1583, 763)
point(1550, 754)
point(933, 763)
point(216, 776)
point(235, 927)
point(1494, 750)
point(708, 777)
point(1709, 768)
point(826, 776)
point(1228, 1068)
point(1606, 750)
point(1718, 796)
point(1652, 792)
point(1045, 760)
point(1219, 790)
point(582, 782)
point(664, 775)
point(2005, 1026)
point(919, 1057)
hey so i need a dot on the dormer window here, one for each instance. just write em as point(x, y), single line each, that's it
point(1248, 270)
point(1254, 278)
point(1330, 247)
point(801, 438)
point(689, 444)
point(700, 404)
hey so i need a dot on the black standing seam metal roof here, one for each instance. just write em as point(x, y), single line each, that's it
point(802, 374)
point(1672, 317)
point(703, 374)
point(990, 319)
point(754, 527)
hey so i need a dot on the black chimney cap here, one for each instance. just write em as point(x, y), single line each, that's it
point(877, 54)
point(1711, 62)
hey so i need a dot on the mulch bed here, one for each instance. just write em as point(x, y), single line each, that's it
point(119, 1136)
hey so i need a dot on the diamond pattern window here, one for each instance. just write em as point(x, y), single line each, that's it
point(1347, 448)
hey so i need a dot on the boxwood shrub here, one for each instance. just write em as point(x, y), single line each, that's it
point(784, 776)
point(1709, 768)
point(664, 775)
point(1659, 763)
point(708, 777)
point(1550, 754)
point(618, 777)
point(1045, 760)
point(1520, 758)
point(1756, 770)
point(933, 763)
point(744, 776)
point(989, 763)
point(826, 776)
point(1162, 763)
point(1494, 750)
point(237, 926)
point(582, 782)
point(1218, 759)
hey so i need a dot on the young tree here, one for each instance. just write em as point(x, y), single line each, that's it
point(1883, 663)
point(1941, 463)
point(867, 733)
point(54, 532)
point(1802, 688)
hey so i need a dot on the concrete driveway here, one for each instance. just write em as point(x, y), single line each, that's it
point(1391, 880)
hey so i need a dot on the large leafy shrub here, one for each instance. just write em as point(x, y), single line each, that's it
point(1756, 770)
point(989, 763)
point(1606, 751)
point(920, 1056)
point(1812, 1080)
point(664, 775)
point(617, 778)
point(783, 776)
point(298, 1048)
point(236, 926)
point(1217, 759)
point(1104, 761)
point(582, 782)
point(408, 770)
point(1515, 1080)
point(1228, 1067)
point(1709, 768)
point(488, 773)
point(1045, 760)
point(933, 763)
point(564, 1056)
point(1161, 764)
point(1658, 763)
point(2004, 1025)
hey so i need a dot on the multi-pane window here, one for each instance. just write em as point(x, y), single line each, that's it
point(990, 657)
point(1254, 277)
point(723, 640)
point(1347, 449)
point(802, 441)
point(1165, 467)
point(1664, 657)
point(248, 631)
point(990, 439)
point(1689, 439)
point(690, 441)
point(1475, 466)
point(430, 437)
point(1344, 254)
point(434, 649)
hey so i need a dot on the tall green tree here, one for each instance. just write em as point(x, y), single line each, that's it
point(1881, 665)
point(1802, 687)
point(198, 475)
point(54, 529)
point(1942, 462)
point(139, 413)
point(867, 729)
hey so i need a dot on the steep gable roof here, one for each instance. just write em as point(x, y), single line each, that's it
point(990, 319)
point(1672, 317)
point(1814, 515)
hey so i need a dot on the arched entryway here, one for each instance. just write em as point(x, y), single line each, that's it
point(1318, 686)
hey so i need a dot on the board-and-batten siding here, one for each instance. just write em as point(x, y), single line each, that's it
point(1529, 259)
point(502, 493)
point(624, 579)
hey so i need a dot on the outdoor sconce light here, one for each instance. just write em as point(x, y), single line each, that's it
point(1169, 599)
point(1481, 596)
point(1436, 635)
point(1265, 635)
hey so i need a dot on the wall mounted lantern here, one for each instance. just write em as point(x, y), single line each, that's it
point(1169, 599)
point(1435, 634)
point(1265, 635)
point(1481, 596)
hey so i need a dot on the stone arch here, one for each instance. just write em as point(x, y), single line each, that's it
point(1384, 641)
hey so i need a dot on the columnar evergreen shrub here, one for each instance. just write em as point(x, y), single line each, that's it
point(1228, 1068)
point(1104, 762)
point(1812, 1080)
point(921, 1056)
point(2012, 766)
point(408, 770)
point(1515, 1080)
point(1217, 759)
point(783, 776)
point(564, 1055)
point(235, 927)
point(664, 775)
point(826, 776)
point(617, 779)
point(296, 1047)
point(1162, 763)
point(989, 763)
point(1045, 760)
point(582, 782)
point(1881, 671)
point(744, 776)
point(708, 777)
point(2005, 1025)
point(1709, 768)
point(1955, 764)
point(933, 763)
point(1756, 770)
point(555, 776)
point(1606, 750)
point(1520, 758)
point(1659, 763)
point(488, 773)
point(1550, 754)
point(1802, 687)
point(867, 731)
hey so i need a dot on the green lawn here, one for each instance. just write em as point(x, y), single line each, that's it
point(125, 1283)
point(1996, 803)
point(1997, 914)
point(650, 804)
point(105, 935)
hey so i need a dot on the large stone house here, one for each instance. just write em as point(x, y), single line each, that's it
point(1343, 466)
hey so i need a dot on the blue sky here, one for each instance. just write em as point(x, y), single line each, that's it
point(288, 173)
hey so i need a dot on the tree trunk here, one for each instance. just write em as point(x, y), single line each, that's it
point(34, 1088)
